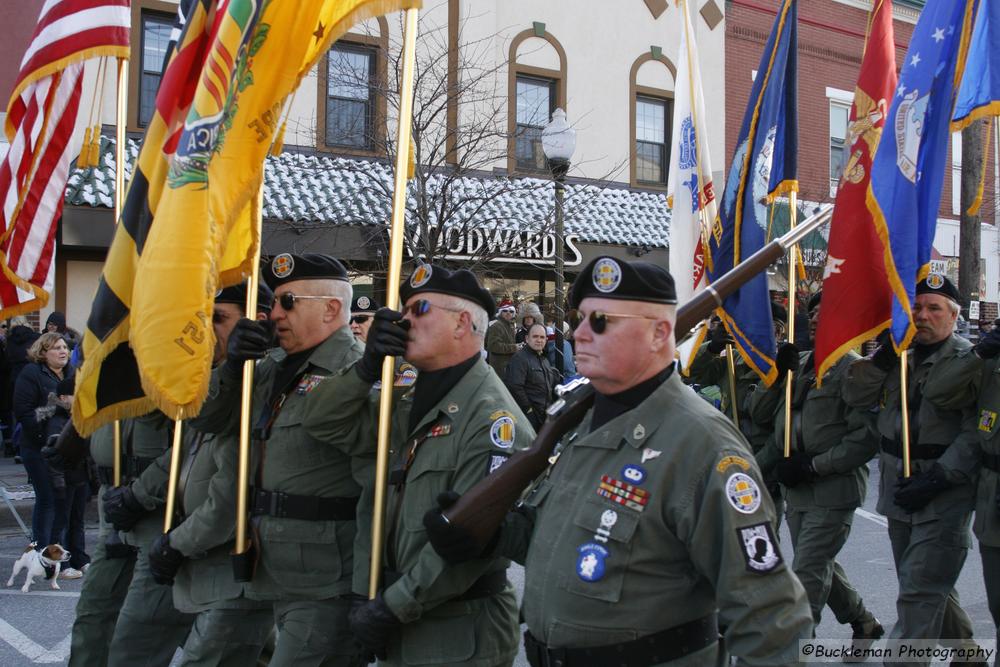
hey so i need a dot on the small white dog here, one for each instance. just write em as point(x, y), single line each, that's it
point(35, 563)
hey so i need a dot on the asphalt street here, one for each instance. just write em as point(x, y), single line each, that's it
point(35, 627)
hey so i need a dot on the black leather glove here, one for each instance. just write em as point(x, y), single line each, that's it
point(885, 356)
point(68, 450)
point(786, 359)
point(122, 509)
point(989, 345)
point(164, 560)
point(372, 623)
point(250, 339)
point(915, 492)
point(454, 544)
point(794, 470)
point(52, 456)
point(718, 338)
point(386, 338)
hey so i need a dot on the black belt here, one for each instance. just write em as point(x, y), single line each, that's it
point(665, 646)
point(916, 451)
point(307, 508)
point(132, 467)
point(991, 461)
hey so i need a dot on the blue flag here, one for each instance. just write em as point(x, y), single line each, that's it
point(908, 170)
point(979, 92)
point(763, 167)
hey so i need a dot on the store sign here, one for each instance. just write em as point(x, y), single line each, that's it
point(502, 246)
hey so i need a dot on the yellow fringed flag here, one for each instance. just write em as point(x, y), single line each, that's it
point(186, 226)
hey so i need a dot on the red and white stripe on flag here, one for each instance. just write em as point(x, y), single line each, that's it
point(41, 115)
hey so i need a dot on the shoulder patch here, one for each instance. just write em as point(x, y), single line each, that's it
point(760, 548)
point(987, 420)
point(496, 460)
point(743, 493)
point(502, 429)
point(406, 376)
point(728, 461)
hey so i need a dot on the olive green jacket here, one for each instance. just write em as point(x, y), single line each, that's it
point(869, 387)
point(299, 559)
point(694, 535)
point(470, 432)
point(500, 344)
point(840, 438)
point(953, 382)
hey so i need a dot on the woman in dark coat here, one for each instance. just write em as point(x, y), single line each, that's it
point(31, 392)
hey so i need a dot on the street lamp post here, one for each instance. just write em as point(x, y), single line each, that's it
point(558, 144)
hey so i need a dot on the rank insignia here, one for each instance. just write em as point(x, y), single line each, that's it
point(452, 408)
point(307, 384)
point(987, 420)
point(438, 430)
point(502, 429)
point(622, 493)
point(406, 376)
point(634, 474)
point(590, 562)
point(759, 548)
point(728, 461)
point(743, 493)
point(496, 460)
point(639, 432)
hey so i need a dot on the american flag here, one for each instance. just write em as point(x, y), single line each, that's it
point(40, 121)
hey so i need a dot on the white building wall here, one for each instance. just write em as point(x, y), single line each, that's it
point(946, 241)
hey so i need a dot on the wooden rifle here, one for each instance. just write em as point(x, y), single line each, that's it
point(480, 510)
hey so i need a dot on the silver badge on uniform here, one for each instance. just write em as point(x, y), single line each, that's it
point(760, 549)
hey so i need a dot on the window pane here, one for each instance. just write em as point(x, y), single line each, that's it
point(349, 74)
point(147, 96)
point(838, 121)
point(155, 37)
point(649, 120)
point(649, 165)
point(533, 101)
point(528, 148)
point(836, 162)
point(347, 123)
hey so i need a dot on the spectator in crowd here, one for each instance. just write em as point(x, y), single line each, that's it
point(500, 343)
point(568, 365)
point(530, 378)
point(49, 357)
point(71, 485)
point(527, 315)
point(20, 336)
point(56, 323)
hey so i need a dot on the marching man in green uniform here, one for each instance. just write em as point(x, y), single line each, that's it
point(826, 477)
point(304, 496)
point(929, 513)
point(457, 425)
point(651, 528)
point(229, 629)
point(952, 382)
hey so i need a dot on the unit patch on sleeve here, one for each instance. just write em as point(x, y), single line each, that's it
point(728, 461)
point(743, 493)
point(622, 493)
point(987, 420)
point(496, 460)
point(760, 549)
point(502, 429)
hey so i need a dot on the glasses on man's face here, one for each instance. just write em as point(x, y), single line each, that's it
point(288, 299)
point(599, 319)
point(421, 307)
point(359, 319)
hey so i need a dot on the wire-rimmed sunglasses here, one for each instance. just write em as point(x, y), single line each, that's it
point(360, 319)
point(288, 299)
point(421, 307)
point(599, 319)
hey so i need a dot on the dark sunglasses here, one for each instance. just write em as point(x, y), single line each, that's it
point(288, 299)
point(421, 307)
point(359, 319)
point(599, 319)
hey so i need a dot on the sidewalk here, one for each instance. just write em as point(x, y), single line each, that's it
point(14, 479)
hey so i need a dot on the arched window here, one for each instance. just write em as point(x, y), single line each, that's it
point(536, 87)
point(651, 85)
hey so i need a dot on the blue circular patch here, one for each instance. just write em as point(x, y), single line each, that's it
point(590, 563)
point(633, 474)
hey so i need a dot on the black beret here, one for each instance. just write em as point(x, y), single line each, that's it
point(814, 301)
point(364, 304)
point(238, 294)
point(461, 282)
point(935, 283)
point(778, 312)
point(609, 278)
point(285, 268)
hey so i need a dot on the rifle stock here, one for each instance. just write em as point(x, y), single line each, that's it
point(480, 510)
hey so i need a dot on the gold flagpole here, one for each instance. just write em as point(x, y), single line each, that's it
point(246, 401)
point(175, 471)
point(731, 367)
point(392, 291)
point(789, 380)
point(904, 410)
point(120, 141)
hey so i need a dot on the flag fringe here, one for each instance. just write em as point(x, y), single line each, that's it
point(846, 347)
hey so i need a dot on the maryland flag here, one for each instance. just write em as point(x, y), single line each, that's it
point(187, 227)
point(856, 294)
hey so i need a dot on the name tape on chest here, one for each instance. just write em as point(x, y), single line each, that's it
point(623, 493)
point(760, 550)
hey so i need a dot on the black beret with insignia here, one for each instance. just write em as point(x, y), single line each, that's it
point(461, 283)
point(814, 301)
point(364, 304)
point(238, 294)
point(285, 268)
point(935, 283)
point(609, 278)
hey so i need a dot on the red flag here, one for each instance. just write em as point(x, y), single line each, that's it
point(40, 118)
point(856, 295)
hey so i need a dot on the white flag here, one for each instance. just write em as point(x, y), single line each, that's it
point(690, 183)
